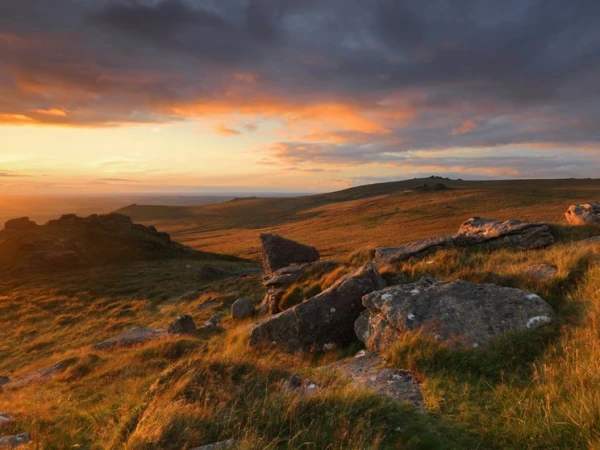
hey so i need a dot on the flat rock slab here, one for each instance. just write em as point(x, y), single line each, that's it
point(541, 272)
point(230, 443)
point(132, 337)
point(208, 305)
point(366, 370)
point(327, 318)
point(416, 249)
point(5, 419)
point(583, 214)
point(458, 312)
point(14, 441)
point(40, 375)
point(475, 231)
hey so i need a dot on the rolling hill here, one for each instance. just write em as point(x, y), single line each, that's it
point(383, 214)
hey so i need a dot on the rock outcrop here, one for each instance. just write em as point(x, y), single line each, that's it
point(366, 370)
point(22, 223)
point(475, 231)
point(583, 214)
point(72, 242)
point(279, 281)
point(327, 318)
point(278, 252)
point(458, 312)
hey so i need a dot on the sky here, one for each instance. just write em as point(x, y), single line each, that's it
point(294, 95)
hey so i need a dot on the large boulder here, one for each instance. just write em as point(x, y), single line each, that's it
point(278, 252)
point(583, 214)
point(475, 231)
point(325, 319)
point(510, 233)
point(458, 312)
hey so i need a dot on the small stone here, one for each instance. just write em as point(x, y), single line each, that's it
point(14, 441)
point(223, 445)
point(242, 308)
point(4, 380)
point(182, 325)
point(330, 346)
point(5, 419)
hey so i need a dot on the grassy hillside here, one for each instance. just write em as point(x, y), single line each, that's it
point(383, 214)
point(535, 390)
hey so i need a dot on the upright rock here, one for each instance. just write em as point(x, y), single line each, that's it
point(459, 312)
point(583, 214)
point(327, 318)
point(278, 252)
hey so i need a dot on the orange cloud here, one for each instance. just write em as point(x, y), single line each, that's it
point(226, 131)
point(465, 128)
point(52, 112)
point(12, 119)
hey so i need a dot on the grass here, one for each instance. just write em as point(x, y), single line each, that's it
point(534, 390)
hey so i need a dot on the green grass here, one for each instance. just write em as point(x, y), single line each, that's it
point(538, 389)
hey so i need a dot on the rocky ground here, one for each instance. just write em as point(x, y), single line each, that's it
point(383, 352)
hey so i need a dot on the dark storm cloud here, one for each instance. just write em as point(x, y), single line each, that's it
point(466, 73)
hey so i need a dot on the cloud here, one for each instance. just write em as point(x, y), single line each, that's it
point(227, 131)
point(466, 127)
point(345, 81)
point(11, 174)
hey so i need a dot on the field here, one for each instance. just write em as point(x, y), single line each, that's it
point(538, 390)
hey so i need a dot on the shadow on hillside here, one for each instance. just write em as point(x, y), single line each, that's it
point(156, 281)
point(569, 233)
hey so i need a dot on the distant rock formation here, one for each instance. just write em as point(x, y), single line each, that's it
point(458, 312)
point(327, 318)
point(583, 214)
point(279, 252)
point(72, 242)
point(474, 232)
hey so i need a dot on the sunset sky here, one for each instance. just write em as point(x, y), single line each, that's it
point(294, 95)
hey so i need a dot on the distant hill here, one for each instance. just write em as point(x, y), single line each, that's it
point(379, 214)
